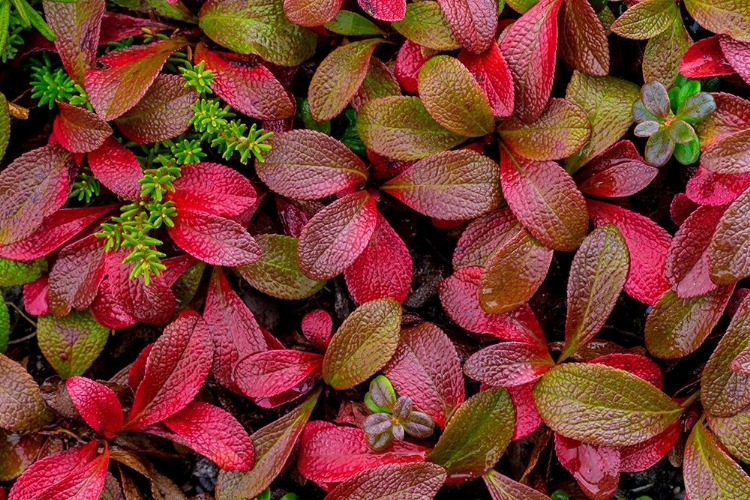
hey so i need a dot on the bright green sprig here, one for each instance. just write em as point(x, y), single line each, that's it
point(13, 23)
point(85, 187)
point(198, 77)
point(50, 85)
point(209, 117)
point(187, 151)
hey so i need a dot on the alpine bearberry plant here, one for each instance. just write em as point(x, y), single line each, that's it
point(281, 249)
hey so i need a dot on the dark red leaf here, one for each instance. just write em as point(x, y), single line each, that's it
point(176, 368)
point(317, 327)
point(108, 312)
point(97, 404)
point(709, 188)
point(138, 368)
point(681, 208)
point(409, 60)
point(732, 115)
point(528, 419)
point(116, 26)
point(728, 260)
point(474, 22)
point(509, 364)
point(595, 468)
point(705, 58)
point(270, 373)
point(483, 236)
point(639, 457)
point(617, 172)
point(493, 76)
point(79, 130)
point(384, 10)
point(213, 188)
point(117, 168)
point(311, 13)
point(403, 481)
point(583, 39)
point(638, 365)
point(76, 274)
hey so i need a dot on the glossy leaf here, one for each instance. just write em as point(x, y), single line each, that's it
point(474, 22)
point(646, 19)
point(317, 327)
point(727, 262)
point(709, 471)
point(662, 55)
point(391, 482)
point(13, 273)
point(117, 168)
point(493, 76)
point(617, 172)
point(21, 406)
point(643, 456)
point(363, 344)
point(97, 404)
point(730, 155)
point(214, 189)
point(637, 364)
point(71, 343)
point(731, 18)
point(270, 373)
point(425, 24)
point(76, 275)
point(79, 130)
point(384, 10)
point(731, 432)
point(583, 40)
point(732, 115)
point(483, 236)
point(602, 406)
point(596, 469)
point(453, 185)
point(504, 488)
point(351, 23)
point(311, 12)
point(509, 364)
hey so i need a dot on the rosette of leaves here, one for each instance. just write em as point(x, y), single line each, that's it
point(393, 418)
point(667, 119)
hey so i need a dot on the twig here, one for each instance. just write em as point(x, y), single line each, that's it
point(23, 314)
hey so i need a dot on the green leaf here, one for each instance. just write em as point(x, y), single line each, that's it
point(72, 343)
point(728, 259)
point(696, 107)
point(418, 481)
point(4, 125)
point(257, 27)
point(401, 128)
point(663, 53)
point(329, 93)
point(21, 406)
point(659, 148)
point(277, 271)
point(709, 472)
point(732, 432)
point(477, 435)
point(597, 275)
point(646, 19)
point(349, 23)
point(304, 114)
point(363, 344)
point(603, 406)
point(521, 6)
point(4, 324)
point(378, 82)
point(273, 445)
point(14, 273)
point(425, 24)
point(730, 17)
point(454, 98)
point(729, 156)
point(608, 102)
point(504, 488)
point(681, 132)
point(687, 154)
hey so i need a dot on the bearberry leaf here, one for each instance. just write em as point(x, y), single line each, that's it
point(583, 40)
point(379, 82)
point(273, 444)
point(504, 488)
point(604, 406)
point(731, 431)
point(277, 271)
point(21, 406)
point(426, 368)
point(425, 24)
point(709, 472)
point(474, 22)
point(127, 75)
point(639, 457)
point(708, 188)
point(350, 23)
point(13, 273)
point(163, 112)
point(546, 201)
point(76, 275)
point(391, 482)
point(117, 168)
point(731, 18)
point(732, 115)
point(311, 12)
point(493, 76)
point(705, 58)
point(79, 130)
point(176, 368)
point(97, 404)
point(596, 469)
point(597, 276)
point(617, 172)
point(309, 165)
point(727, 260)
point(638, 365)
point(409, 60)
point(662, 55)
point(71, 343)
point(363, 344)
point(270, 373)
point(453, 185)
point(259, 27)
point(646, 19)
point(483, 236)
point(730, 155)
point(384, 10)
point(509, 364)
point(213, 188)
point(401, 128)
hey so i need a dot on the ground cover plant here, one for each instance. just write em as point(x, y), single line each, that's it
point(341, 249)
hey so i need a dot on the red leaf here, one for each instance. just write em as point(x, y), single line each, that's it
point(687, 260)
point(127, 76)
point(270, 373)
point(384, 10)
point(249, 87)
point(403, 481)
point(333, 239)
point(738, 54)
point(409, 61)
point(530, 48)
point(138, 368)
point(311, 13)
point(596, 469)
point(493, 76)
point(33, 187)
point(76, 27)
point(214, 433)
point(54, 232)
point(117, 168)
point(639, 457)
point(213, 239)
point(732, 115)
point(332, 454)
point(317, 327)
point(383, 269)
point(79, 130)
point(163, 113)
point(97, 404)
point(459, 295)
point(709, 188)
point(35, 297)
point(75, 474)
point(546, 201)
point(76, 275)
point(213, 188)
point(705, 58)
point(583, 39)
point(108, 312)
point(648, 244)
point(509, 364)
point(638, 365)
point(474, 22)
point(528, 419)
point(681, 208)
point(176, 368)
point(234, 331)
point(426, 368)
point(116, 26)
point(617, 172)
point(483, 236)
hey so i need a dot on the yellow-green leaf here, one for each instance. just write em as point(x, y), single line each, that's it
point(710, 473)
point(71, 343)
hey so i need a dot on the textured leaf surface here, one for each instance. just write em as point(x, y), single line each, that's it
point(117, 168)
point(176, 368)
point(21, 406)
point(648, 244)
point(583, 40)
point(546, 201)
point(213, 188)
point(258, 28)
point(163, 113)
point(731, 17)
point(79, 130)
point(401, 128)
point(13, 273)
point(277, 271)
point(311, 12)
point(602, 406)
point(732, 115)
point(476, 436)
point(309, 165)
point(351, 23)
point(483, 236)
point(270, 373)
point(333, 239)
point(728, 258)
point(385, 10)
point(426, 368)
point(661, 58)
point(597, 276)
point(364, 342)
point(646, 19)
point(273, 444)
point(33, 187)
point(71, 343)
point(453, 185)
point(409, 61)
point(425, 24)
point(596, 469)
point(731, 432)
point(513, 274)
point(76, 274)
point(645, 455)
point(509, 364)
point(530, 47)
point(393, 482)
point(127, 75)
point(730, 155)
point(504, 488)
point(454, 98)
point(379, 82)
point(638, 365)
point(474, 22)
point(493, 76)
point(97, 404)
point(617, 172)
point(709, 471)
point(561, 131)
